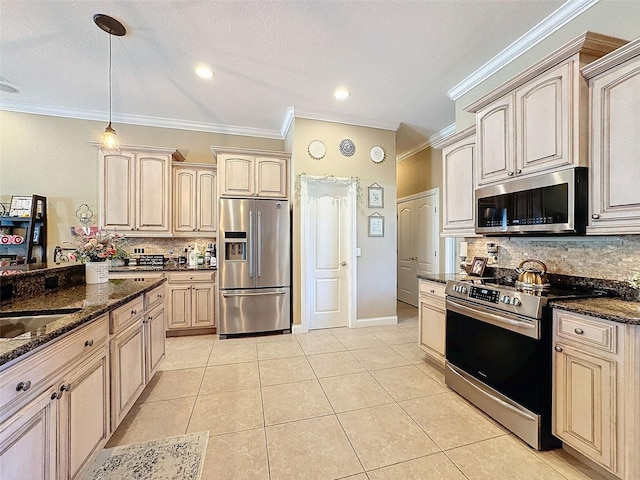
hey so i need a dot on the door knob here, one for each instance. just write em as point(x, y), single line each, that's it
point(344, 264)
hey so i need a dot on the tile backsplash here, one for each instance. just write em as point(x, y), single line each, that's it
point(607, 257)
point(161, 246)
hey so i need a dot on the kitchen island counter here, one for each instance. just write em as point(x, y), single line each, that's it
point(92, 300)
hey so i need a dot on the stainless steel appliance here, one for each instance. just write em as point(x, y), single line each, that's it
point(498, 353)
point(254, 266)
point(549, 203)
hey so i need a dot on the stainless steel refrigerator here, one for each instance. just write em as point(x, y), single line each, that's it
point(254, 266)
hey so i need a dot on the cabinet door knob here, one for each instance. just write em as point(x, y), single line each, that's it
point(23, 386)
point(88, 343)
point(518, 171)
point(557, 348)
point(510, 174)
point(579, 331)
point(595, 216)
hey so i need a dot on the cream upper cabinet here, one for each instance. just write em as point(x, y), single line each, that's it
point(250, 173)
point(458, 165)
point(596, 390)
point(495, 141)
point(614, 83)
point(432, 319)
point(194, 200)
point(538, 121)
point(135, 191)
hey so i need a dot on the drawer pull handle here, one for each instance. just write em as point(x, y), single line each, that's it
point(432, 291)
point(578, 331)
point(88, 343)
point(557, 348)
point(133, 312)
point(159, 295)
point(23, 386)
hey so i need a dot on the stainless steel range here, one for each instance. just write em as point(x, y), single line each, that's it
point(498, 349)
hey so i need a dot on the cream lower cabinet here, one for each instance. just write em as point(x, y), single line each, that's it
point(137, 347)
point(55, 407)
point(596, 390)
point(615, 142)
point(28, 446)
point(194, 200)
point(191, 300)
point(432, 319)
point(84, 414)
point(251, 173)
point(458, 167)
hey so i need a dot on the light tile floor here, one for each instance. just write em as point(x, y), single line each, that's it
point(331, 404)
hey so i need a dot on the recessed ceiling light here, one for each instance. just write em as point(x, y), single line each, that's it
point(204, 72)
point(341, 93)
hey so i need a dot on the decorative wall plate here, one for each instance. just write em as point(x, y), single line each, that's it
point(376, 154)
point(317, 149)
point(347, 147)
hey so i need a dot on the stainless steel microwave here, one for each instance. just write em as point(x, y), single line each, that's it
point(550, 203)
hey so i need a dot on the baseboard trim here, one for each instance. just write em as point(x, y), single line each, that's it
point(376, 321)
point(297, 329)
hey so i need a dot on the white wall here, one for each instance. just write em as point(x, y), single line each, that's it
point(376, 269)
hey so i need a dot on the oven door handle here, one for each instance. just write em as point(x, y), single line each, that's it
point(513, 409)
point(492, 318)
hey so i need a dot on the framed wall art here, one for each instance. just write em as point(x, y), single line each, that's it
point(375, 195)
point(376, 225)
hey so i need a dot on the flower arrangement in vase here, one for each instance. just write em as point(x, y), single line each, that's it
point(94, 248)
point(98, 246)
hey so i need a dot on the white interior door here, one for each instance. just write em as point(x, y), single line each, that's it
point(427, 234)
point(407, 261)
point(327, 251)
point(418, 242)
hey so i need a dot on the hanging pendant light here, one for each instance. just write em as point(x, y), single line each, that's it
point(110, 144)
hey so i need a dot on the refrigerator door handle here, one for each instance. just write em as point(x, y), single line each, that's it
point(250, 244)
point(257, 294)
point(259, 246)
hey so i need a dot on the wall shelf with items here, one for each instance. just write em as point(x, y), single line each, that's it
point(23, 237)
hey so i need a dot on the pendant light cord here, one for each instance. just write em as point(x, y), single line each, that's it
point(110, 96)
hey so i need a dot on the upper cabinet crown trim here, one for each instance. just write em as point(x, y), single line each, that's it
point(248, 151)
point(621, 55)
point(590, 45)
point(456, 137)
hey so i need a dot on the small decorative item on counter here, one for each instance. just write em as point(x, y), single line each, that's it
point(207, 254)
point(214, 260)
point(193, 256)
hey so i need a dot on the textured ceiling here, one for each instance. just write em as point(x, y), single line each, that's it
point(397, 58)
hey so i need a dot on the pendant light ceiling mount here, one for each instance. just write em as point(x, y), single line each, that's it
point(109, 25)
point(110, 144)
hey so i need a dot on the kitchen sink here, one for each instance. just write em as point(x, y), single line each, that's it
point(14, 324)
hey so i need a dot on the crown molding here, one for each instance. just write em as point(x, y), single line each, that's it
point(140, 120)
point(433, 139)
point(345, 119)
point(287, 121)
point(563, 15)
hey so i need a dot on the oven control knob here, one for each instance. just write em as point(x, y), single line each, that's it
point(516, 302)
point(505, 299)
point(463, 289)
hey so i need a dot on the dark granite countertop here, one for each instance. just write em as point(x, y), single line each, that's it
point(613, 309)
point(93, 301)
point(442, 277)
